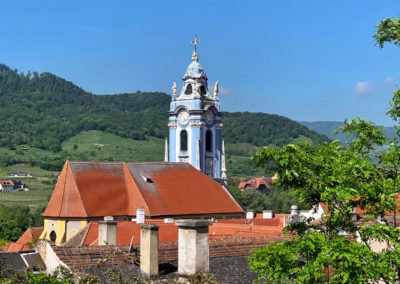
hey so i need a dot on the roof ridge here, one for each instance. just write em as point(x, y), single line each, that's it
point(127, 162)
point(77, 187)
point(65, 181)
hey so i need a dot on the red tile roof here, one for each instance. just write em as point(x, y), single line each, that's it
point(128, 229)
point(6, 182)
point(169, 232)
point(256, 182)
point(91, 189)
point(30, 234)
point(23, 243)
point(5, 247)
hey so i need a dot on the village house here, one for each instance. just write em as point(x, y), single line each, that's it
point(9, 185)
point(6, 185)
point(19, 174)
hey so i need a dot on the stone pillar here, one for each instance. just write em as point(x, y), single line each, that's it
point(107, 232)
point(193, 247)
point(149, 249)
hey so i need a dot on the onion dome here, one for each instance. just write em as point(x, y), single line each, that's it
point(195, 70)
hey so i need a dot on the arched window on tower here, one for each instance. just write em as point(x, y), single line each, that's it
point(203, 90)
point(188, 90)
point(183, 141)
point(208, 141)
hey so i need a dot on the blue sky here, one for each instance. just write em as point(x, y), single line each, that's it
point(307, 60)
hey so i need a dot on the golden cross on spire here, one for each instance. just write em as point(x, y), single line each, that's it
point(195, 42)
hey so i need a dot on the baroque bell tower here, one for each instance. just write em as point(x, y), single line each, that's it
point(195, 122)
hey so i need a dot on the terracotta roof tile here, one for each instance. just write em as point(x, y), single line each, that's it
point(6, 182)
point(5, 247)
point(66, 200)
point(91, 189)
point(29, 234)
point(180, 189)
point(14, 247)
point(169, 232)
point(256, 182)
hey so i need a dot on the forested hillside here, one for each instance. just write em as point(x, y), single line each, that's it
point(43, 110)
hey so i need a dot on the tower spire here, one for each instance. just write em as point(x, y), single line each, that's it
point(195, 42)
point(195, 56)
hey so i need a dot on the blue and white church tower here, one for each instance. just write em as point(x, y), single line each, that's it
point(195, 123)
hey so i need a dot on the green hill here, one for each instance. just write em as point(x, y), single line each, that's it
point(49, 116)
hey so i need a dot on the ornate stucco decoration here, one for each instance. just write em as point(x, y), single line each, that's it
point(197, 124)
point(172, 125)
point(219, 125)
point(216, 89)
point(174, 90)
point(183, 117)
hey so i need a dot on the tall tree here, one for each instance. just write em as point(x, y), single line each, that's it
point(344, 178)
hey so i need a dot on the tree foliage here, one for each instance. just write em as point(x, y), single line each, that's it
point(278, 200)
point(14, 220)
point(343, 178)
point(388, 31)
point(261, 129)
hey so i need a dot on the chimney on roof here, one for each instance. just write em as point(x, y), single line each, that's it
point(268, 214)
point(168, 220)
point(107, 232)
point(140, 218)
point(294, 210)
point(149, 249)
point(250, 215)
point(294, 215)
point(353, 214)
point(193, 246)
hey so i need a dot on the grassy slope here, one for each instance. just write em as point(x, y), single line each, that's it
point(40, 186)
point(99, 146)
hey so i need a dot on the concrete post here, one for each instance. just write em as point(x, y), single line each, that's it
point(107, 232)
point(193, 247)
point(149, 249)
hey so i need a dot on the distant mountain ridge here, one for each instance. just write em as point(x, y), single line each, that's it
point(328, 128)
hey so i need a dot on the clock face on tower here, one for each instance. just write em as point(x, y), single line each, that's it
point(183, 117)
point(209, 116)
